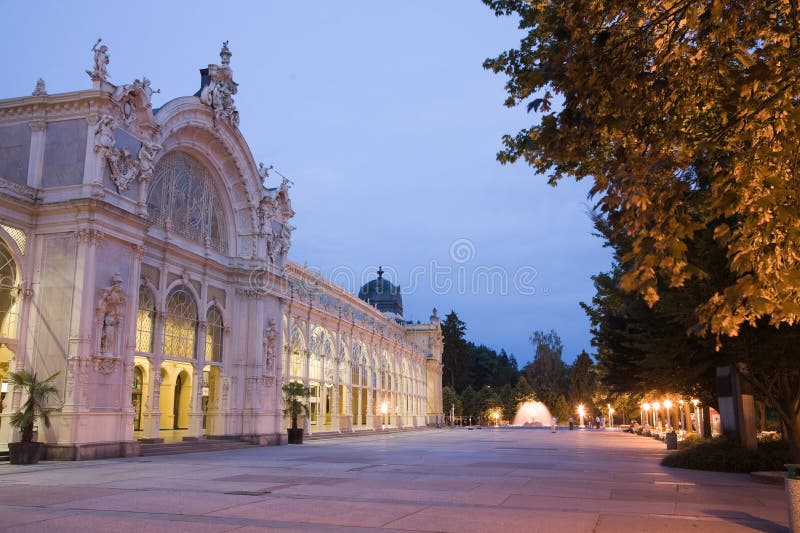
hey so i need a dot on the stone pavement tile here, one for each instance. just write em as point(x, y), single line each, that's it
point(537, 488)
point(160, 501)
point(660, 524)
point(410, 496)
point(340, 513)
point(481, 520)
point(759, 512)
point(589, 505)
point(38, 496)
point(15, 515)
point(83, 523)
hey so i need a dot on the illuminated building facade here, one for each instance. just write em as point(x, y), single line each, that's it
point(143, 257)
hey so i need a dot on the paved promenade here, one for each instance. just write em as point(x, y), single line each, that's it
point(510, 480)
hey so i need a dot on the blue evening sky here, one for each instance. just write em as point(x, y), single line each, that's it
point(382, 116)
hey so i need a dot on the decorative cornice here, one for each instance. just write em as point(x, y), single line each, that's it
point(89, 235)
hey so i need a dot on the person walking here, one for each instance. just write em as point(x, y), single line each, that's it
point(571, 423)
point(553, 424)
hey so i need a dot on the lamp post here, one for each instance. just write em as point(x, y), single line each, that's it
point(645, 409)
point(384, 411)
point(681, 416)
point(667, 407)
point(496, 415)
point(611, 415)
point(581, 413)
point(695, 402)
point(656, 407)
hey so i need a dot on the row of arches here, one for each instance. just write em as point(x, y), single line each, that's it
point(181, 326)
point(353, 387)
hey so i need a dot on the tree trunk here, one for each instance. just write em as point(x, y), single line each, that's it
point(687, 418)
point(762, 414)
point(706, 421)
point(793, 436)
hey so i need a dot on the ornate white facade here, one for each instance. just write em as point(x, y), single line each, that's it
point(143, 258)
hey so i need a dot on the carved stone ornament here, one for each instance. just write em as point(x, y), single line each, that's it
point(123, 168)
point(40, 88)
point(274, 212)
point(133, 96)
point(109, 315)
point(218, 94)
point(105, 365)
point(101, 60)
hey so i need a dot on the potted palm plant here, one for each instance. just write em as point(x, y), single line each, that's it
point(26, 451)
point(295, 403)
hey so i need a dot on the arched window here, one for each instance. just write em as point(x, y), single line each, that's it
point(9, 300)
point(183, 199)
point(214, 335)
point(145, 320)
point(180, 329)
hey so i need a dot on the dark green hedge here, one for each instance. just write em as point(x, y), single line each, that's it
point(723, 455)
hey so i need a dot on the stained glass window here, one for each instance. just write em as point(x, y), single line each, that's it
point(214, 335)
point(145, 320)
point(183, 199)
point(180, 328)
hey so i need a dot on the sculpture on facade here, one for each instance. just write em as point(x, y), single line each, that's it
point(110, 309)
point(147, 154)
point(39, 90)
point(218, 94)
point(101, 59)
point(104, 134)
point(270, 342)
point(131, 96)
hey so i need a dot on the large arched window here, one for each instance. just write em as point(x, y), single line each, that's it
point(183, 199)
point(214, 330)
point(180, 329)
point(9, 299)
point(145, 320)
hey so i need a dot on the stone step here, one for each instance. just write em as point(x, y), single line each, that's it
point(4, 456)
point(360, 433)
point(209, 445)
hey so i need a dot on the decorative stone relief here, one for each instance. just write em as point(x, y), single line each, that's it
point(40, 88)
point(133, 96)
point(218, 94)
point(274, 212)
point(109, 312)
point(105, 365)
point(270, 345)
point(101, 59)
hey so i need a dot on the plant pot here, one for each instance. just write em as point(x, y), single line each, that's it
point(295, 435)
point(24, 453)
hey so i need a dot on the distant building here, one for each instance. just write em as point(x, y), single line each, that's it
point(142, 258)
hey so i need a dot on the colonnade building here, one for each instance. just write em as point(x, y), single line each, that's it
point(143, 258)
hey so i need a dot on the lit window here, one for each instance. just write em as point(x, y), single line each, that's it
point(181, 324)
point(9, 299)
point(214, 329)
point(145, 320)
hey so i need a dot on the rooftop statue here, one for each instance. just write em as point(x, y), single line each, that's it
point(101, 59)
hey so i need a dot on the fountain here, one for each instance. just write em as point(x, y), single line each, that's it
point(532, 414)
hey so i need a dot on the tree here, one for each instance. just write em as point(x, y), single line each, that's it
point(455, 353)
point(664, 105)
point(469, 399)
point(451, 400)
point(547, 373)
point(562, 409)
point(582, 377)
point(487, 401)
point(295, 401)
point(39, 391)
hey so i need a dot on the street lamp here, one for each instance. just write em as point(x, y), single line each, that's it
point(667, 407)
point(611, 415)
point(646, 409)
point(581, 413)
point(496, 415)
point(656, 407)
point(695, 402)
point(384, 411)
